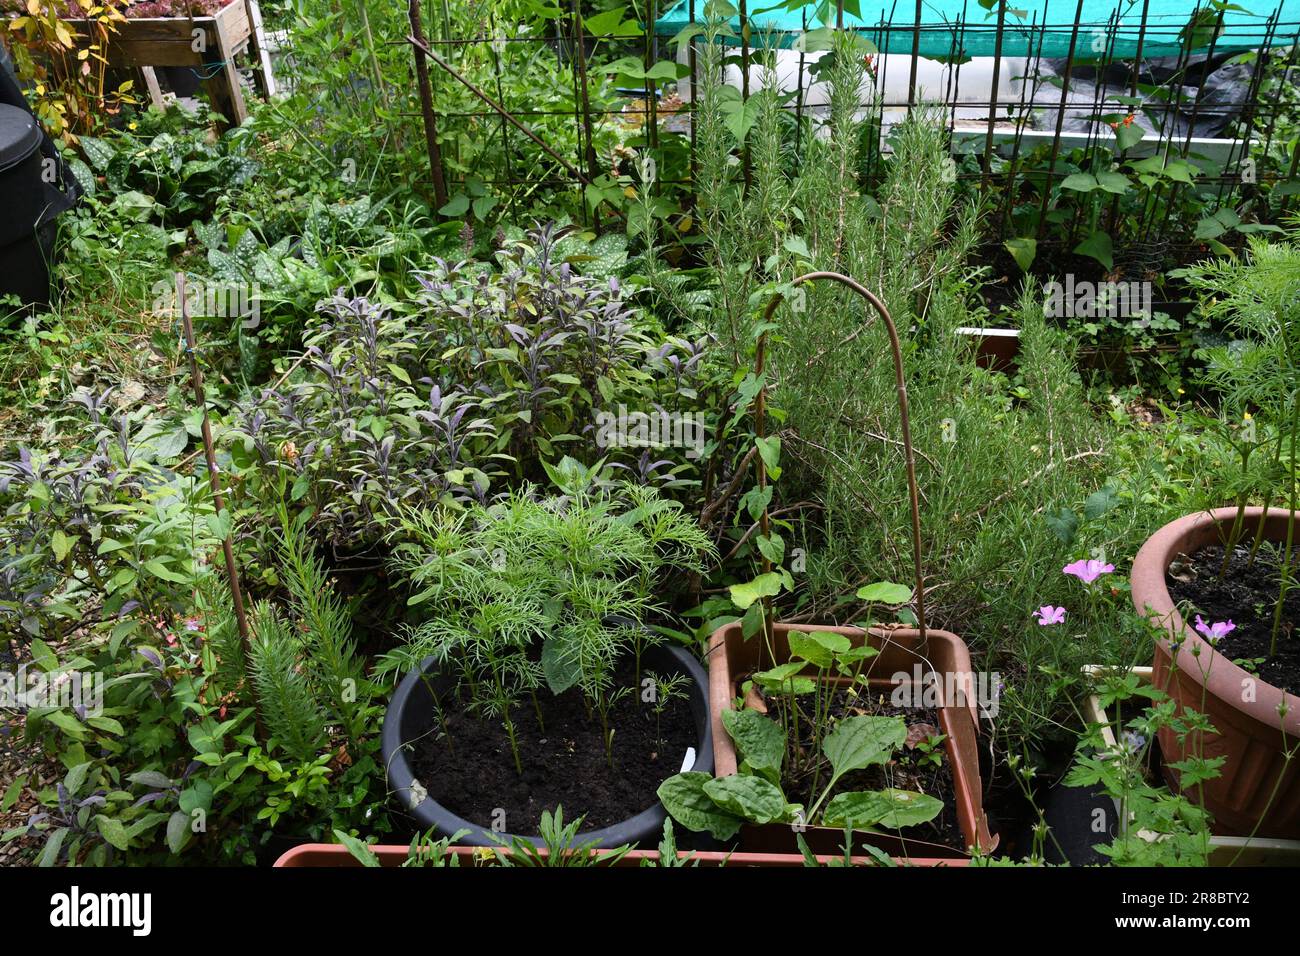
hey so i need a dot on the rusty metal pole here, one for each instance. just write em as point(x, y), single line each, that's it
point(580, 41)
point(426, 106)
point(209, 452)
point(905, 422)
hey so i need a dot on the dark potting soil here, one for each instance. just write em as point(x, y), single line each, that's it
point(910, 769)
point(471, 772)
point(1246, 595)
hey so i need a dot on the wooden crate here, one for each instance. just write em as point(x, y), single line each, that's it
point(206, 44)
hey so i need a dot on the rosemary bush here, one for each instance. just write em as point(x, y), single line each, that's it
point(1017, 476)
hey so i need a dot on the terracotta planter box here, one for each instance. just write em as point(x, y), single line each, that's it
point(1250, 732)
point(334, 855)
point(1224, 850)
point(731, 659)
point(995, 349)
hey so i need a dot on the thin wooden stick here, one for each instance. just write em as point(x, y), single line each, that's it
point(196, 376)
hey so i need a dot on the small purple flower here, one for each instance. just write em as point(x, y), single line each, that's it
point(1089, 570)
point(1133, 741)
point(1050, 615)
point(1214, 632)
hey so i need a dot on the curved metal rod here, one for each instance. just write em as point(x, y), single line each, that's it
point(760, 411)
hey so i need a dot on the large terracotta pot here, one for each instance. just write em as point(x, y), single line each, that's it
point(731, 659)
point(334, 855)
point(1256, 792)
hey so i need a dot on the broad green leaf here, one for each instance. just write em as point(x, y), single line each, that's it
point(151, 778)
point(783, 679)
point(1097, 246)
point(75, 777)
point(893, 809)
point(1128, 136)
point(771, 547)
point(1099, 502)
point(885, 592)
point(558, 666)
point(684, 797)
point(610, 23)
point(858, 742)
point(1113, 182)
point(178, 831)
point(1063, 523)
point(798, 246)
point(458, 205)
point(1080, 182)
point(765, 585)
point(53, 844)
point(805, 648)
point(752, 798)
point(11, 795)
point(758, 740)
point(61, 544)
point(113, 831)
point(1023, 251)
point(67, 723)
point(170, 444)
point(769, 449)
point(42, 654)
point(158, 569)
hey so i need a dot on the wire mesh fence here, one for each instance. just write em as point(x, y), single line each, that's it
point(1022, 88)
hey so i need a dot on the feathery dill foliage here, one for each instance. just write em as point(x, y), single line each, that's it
point(1256, 374)
point(542, 591)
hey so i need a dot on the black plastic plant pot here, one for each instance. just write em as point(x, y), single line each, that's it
point(410, 717)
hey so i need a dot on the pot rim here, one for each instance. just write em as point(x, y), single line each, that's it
point(1151, 599)
point(647, 824)
point(304, 855)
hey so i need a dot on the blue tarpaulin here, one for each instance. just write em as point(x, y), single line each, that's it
point(965, 29)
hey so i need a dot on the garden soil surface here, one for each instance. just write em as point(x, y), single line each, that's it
point(471, 771)
point(1246, 595)
point(911, 768)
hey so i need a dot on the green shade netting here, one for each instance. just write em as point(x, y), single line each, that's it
point(943, 34)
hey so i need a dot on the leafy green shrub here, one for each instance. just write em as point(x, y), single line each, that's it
point(195, 748)
point(169, 164)
point(90, 536)
point(483, 379)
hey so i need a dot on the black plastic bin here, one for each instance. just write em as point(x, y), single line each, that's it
point(27, 228)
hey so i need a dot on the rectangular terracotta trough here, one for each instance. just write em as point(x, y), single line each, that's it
point(942, 655)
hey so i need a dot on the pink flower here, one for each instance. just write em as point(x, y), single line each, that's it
point(1050, 615)
point(1089, 570)
point(1216, 631)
